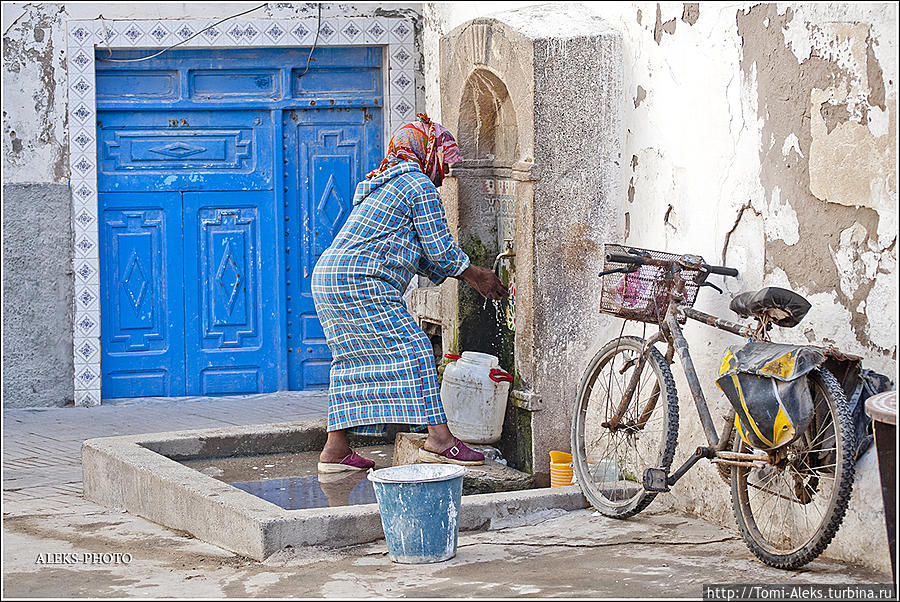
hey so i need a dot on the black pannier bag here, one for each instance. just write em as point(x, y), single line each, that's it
point(765, 383)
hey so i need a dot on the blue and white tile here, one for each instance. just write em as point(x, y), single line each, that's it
point(84, 194)
point(82, 60)
point(87, 298)
point(213, 34)
point(402, 84)
point(276, 32)
point(83, 112)
point(378, 31)
point(86, 244)
point(160, 33)
point(328, 32)
point(87, 324)
point(80, 87)
point(84, 218)
point(87, 349)
point(129, 33)
point(109, 35)
point(401, 32)
point(81, 139)
point(82, 32)
point(403, 109)
point(87, 376)
point(257, 27)
point(303, 31)
point(87, 397)
point(353, 31)
point(83, 167)
point(87, 270)
point(401, 56)
point(184, 30)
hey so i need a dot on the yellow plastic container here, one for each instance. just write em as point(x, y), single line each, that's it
point(560, 469)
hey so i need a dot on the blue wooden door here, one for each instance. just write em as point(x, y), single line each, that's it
point(142, 315)
point(202, 156)
point(230, 301)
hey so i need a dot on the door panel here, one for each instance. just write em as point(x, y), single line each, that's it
point(333, 150)
point(231, 305)
point(185, 150)
point(141, 306)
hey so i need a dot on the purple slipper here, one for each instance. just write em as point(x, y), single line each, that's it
point(458, 453)
point(353, 461)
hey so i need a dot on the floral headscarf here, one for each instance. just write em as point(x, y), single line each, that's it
point(425, 143)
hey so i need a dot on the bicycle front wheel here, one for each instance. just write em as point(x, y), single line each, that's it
point(610, 462)
point(789, 512)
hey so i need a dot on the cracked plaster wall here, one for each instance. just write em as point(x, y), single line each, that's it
point(762, 136)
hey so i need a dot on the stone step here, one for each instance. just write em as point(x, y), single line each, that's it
point(488, 478)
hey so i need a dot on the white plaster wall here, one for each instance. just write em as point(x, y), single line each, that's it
point(696, 135)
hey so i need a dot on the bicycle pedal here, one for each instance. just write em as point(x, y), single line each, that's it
point(656, 479)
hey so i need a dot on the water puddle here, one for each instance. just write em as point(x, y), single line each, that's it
point(292, 481)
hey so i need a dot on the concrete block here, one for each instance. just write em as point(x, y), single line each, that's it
point(489, 478)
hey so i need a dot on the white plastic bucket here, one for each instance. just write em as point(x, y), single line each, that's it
point(473, 392)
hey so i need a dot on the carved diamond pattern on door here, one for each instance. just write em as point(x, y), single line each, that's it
point(331, 208)
point(135, 283)
point(227, 247)
point(178, 150)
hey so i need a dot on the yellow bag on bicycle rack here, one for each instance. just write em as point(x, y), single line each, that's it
point(765, 383)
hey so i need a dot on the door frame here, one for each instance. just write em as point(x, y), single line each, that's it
point(395, 34)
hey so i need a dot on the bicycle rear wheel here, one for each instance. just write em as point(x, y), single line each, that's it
point(788, 513)
point(610, 463)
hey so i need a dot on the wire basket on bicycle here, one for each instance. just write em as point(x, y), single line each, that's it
point(643, 294)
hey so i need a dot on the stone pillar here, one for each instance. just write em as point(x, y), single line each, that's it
point(538, 112)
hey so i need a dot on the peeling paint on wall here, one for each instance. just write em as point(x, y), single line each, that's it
point(813, 93)
point(691, 12)
point(34, 140)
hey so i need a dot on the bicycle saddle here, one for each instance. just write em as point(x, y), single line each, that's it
point(785, 308)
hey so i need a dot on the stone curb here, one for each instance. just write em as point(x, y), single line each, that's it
point(140, 474)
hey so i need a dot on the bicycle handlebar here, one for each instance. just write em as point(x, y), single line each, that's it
point(641, 260)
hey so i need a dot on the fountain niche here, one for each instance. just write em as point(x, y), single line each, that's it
point(535, 97)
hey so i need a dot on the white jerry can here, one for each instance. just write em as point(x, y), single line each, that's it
point(474, 392)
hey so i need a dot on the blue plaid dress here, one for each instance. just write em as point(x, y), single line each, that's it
point(382, 368)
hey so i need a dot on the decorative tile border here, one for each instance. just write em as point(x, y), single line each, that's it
point(400, 96)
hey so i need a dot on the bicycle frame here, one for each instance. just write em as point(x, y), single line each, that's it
point(671, 332)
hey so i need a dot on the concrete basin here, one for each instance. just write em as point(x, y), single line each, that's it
point(144, 475)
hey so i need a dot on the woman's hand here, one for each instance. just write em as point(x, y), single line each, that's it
point(485, 281)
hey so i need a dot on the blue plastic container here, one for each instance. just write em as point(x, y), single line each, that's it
point(419, 506)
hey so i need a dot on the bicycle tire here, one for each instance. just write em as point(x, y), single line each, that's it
point(841, 483)
point(665, 409)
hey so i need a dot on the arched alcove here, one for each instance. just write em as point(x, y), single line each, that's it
point(488, 130)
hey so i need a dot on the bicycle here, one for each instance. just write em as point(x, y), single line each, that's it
point(788, 499)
